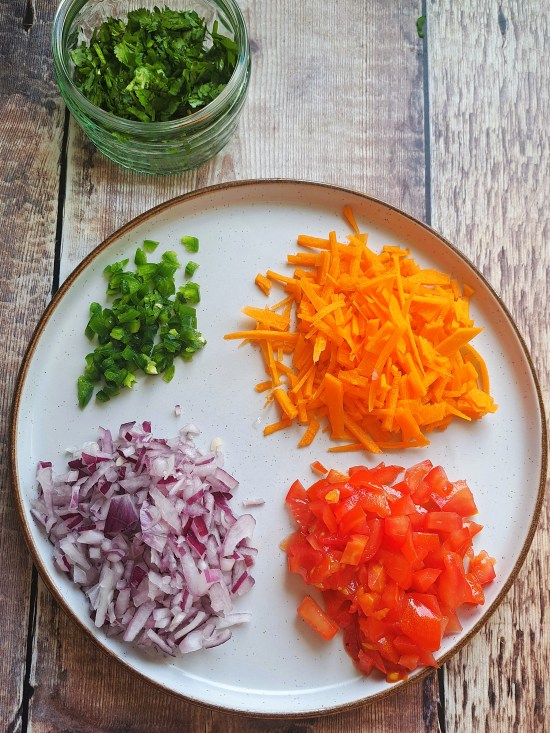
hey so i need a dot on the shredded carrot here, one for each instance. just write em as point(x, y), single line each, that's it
point(267, 318)
point(262, 335)
point(309, 435)
point(264, 386)
point(274, 427)
point(374, 344)
point(286, 404)
point(263, 283)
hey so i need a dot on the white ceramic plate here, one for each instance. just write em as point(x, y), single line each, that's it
point(275, 665)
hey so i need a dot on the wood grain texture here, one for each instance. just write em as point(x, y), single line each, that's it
point(312, 113)
point(32, 128)
point(490, 184)
point(352, 117)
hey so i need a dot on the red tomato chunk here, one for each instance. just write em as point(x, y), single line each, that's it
point(393, 559)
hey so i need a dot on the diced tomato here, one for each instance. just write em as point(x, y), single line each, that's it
point(374, 500)
point(301, 553)
point(330, 541)
point(376, 577)
point(352, 642)
point(336, 477)
point(373, 628)
point(452, 586)
point(318, 489)
point(362, 476)
point(443, 521)
point(323, 511)
point(403, 506)
point(402, 486)
point(346, 504)
point(405, 645)
point(415, 474)
point(460, 500)
point(383, 474)
point(459, 541)
point(451, 620)
point(365, 662)
point(397, 567)
point(422, 493)
point(437, 480)
point(368, 603)
point(472, 527)
point(375, 529)
point(353, 552)
point(376, 659)
point(408, 550)
point(337, 607)
point(324, 571)
point(387, 650)
point(313, 614)
point(318, 467)
point(422, 621)
point(355, 520)
point(483, 567)
point(296, 491)
point(476, 595)
point(409, 661)
point(425, 578)
point(390, 558)
point(392, 596)
point(397, 528)
point(426, 542)
point(297, 501)
point(427, 659)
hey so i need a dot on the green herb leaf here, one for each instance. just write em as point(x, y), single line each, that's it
point(156, 65)
point(420, 24)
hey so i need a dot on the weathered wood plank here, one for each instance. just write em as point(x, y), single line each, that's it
point(352, 117)
point(490, 175)
point(32, 129)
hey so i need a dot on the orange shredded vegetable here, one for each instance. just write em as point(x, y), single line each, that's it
point(374, 344)
point(263, 283)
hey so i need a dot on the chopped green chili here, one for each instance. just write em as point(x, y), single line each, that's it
point(190, 268)
point(147, 324)
point(191, 244)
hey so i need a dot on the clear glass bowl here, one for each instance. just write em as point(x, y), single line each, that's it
point(152, 147)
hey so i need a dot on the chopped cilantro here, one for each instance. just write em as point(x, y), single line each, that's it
point(147, 324)
point(156, 65)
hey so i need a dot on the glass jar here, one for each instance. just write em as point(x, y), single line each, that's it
point(152, 147)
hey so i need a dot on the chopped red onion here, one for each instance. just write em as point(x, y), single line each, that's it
point(144, 527)
point(249, 503)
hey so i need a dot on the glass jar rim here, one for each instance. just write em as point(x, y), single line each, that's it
point(123, 125)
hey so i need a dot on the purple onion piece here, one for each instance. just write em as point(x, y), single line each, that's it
point(144, 526)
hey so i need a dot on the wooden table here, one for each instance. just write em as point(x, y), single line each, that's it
point(454, 128)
